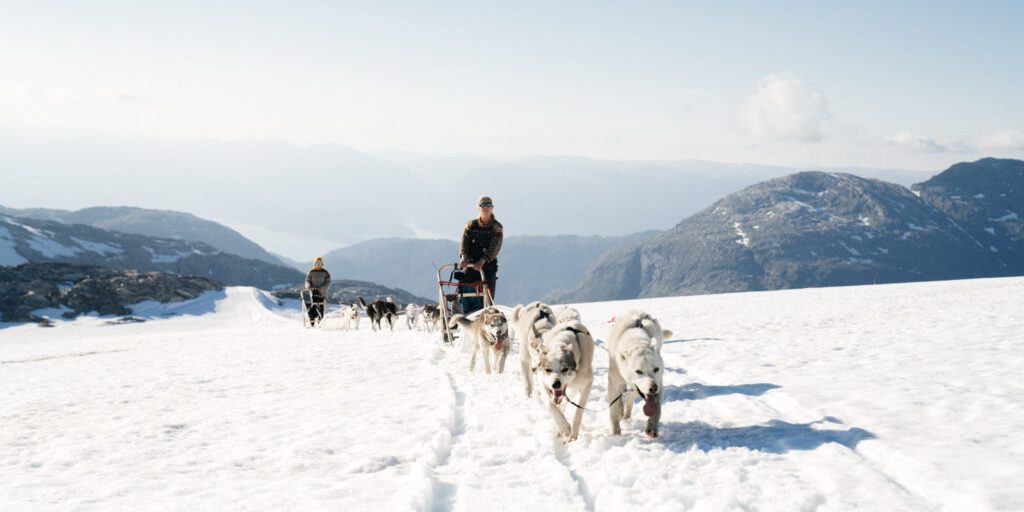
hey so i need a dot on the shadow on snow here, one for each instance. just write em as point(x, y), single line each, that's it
point(774, 437)
point(698, 391)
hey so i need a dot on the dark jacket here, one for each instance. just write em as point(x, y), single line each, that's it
point(481, 241)
point(319, 279)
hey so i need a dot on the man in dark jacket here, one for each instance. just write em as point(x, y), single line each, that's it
point(318, 280)
point(481, 242)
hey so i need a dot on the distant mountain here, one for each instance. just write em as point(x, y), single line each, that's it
point(75, 289)
point(804, 230)
point(32, 240)
point(347, 291)
point(155, 223)
point(986, 198)
point(529, 267)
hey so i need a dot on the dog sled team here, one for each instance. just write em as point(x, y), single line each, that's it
point(556, 350)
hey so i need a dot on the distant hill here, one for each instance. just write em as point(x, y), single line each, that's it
point(804, 230)
point(347, 291)
point(154, 223)
point(32, 240)
point(530, 267)
point(985, 198)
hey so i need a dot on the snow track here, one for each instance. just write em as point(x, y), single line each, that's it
point(889, 398)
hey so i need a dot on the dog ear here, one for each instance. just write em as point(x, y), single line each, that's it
point(666, 333)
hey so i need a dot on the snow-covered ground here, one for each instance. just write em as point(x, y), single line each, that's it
point(896, 397)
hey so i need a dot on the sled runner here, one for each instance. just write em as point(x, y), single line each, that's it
point(314, 308)
point(452, 291)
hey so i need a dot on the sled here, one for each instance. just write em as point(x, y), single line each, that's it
point(450, 293)
point(306, 301)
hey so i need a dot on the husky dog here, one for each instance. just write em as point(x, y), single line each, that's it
point(431, 315)
point(489, 333)
point(350, 315)
point(567, 314)
point(529, 323)
point(381, 310)
point(564, 367)
point(411, 316)
point(635, 367)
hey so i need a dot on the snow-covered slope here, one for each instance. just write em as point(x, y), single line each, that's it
point(895, 397)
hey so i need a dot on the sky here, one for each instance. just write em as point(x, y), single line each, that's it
point(913, 85)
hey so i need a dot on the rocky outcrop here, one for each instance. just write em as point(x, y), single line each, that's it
point(78, 289)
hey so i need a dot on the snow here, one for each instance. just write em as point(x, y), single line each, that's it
point(991, 231)
point(744, 240)
point(8, 254)
point(99, 247)
point(914, 227)
point(892, 397)
point(1009, 216)
point(849, 249)
point(979, 196)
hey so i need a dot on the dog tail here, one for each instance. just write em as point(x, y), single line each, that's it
point(461, 321)
point(363, 302)
point(516, 312)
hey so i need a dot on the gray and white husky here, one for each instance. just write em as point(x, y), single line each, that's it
point(635, 368)
point(564, 368)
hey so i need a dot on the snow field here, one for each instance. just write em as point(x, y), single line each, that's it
point(895, 397)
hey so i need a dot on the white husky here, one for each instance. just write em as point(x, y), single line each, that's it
point(489, 333)
point(350, 317)
point(411, 316)
point(567, 314)
point(565, 370)
point(529, 323)
point(635, 367)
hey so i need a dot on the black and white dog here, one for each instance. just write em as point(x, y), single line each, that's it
point(431, 316)
point(381, 310)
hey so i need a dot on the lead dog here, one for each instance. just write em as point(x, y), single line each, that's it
point(529, 323)
point(350, 314)
point(489, 333)
point(381, 310)
point(431, 316)
point(565, 370)
point(635, 368)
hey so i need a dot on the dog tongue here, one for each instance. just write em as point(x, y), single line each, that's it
point(497, 344)
point(651, 405)
point(558, 396)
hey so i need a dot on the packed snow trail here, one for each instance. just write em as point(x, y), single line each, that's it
point(901, 397)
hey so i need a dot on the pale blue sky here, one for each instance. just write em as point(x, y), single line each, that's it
point(886, 84)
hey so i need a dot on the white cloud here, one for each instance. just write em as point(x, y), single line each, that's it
point(925, 144)
point(785, 108)
point(1006, 139)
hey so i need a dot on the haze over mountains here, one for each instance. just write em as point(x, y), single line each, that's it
point(300, 202)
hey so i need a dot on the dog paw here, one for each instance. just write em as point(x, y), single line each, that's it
point(653, 434)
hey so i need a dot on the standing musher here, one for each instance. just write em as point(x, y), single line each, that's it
point(318, 280)
point(481, 242)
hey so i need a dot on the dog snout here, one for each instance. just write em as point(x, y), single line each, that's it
point(653, 389)
point(556, 384)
